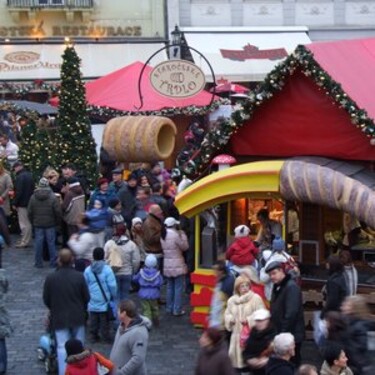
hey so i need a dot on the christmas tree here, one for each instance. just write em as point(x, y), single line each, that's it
point(36, 149)
point(74, 140)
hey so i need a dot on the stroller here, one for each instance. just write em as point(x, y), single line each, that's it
point(47, 350)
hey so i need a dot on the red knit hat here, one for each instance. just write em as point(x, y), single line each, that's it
point(102, 181)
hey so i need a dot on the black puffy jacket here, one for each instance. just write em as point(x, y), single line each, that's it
point(44, 209)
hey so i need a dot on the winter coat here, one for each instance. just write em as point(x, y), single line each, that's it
point(137, 237)
point(129, 349)
point(222, 292)
point(242, 252)
point(5, 325)
point(279, 366)
point(118, 186)
point(107, 280)
point(73, 205)
point(214, 360)
point(83, 245)
point(174, 244)
point(44, 209)
point(150, 282)
point(287, 309)
point(128, 203)
point(66, 295)
point(335, 292)
point(356, 346)
point(129, 252)
point(239, 308)
point(326, 370)
point(24, 188)
point(151, 234)
point(282, 257)
point(86, 363)
point(114, 218)
point(259, 343)
point(97, 218)
point(6, 185)
point(103, 197)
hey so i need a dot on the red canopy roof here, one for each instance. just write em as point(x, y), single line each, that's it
point(351, 63)
point(119, 90)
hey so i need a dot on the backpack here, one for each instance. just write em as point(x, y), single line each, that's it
point(114, 259)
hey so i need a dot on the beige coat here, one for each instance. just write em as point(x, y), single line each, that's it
point(240, 308)
point(326, 370)
point(6, 184)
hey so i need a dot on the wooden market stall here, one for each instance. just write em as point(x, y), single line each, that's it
point(314, 114)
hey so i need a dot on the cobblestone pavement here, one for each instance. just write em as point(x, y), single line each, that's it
point(173, 347)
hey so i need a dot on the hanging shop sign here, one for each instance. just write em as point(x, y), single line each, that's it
point(177, 79)
point(250, 52)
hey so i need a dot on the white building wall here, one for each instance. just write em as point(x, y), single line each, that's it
point(326, 19)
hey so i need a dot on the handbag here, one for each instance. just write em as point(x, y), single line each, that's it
point(110, 314)
point(244, 334)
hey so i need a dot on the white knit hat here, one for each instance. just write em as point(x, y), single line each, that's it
point(136, 220)
point(241, 231)
point(151, 261)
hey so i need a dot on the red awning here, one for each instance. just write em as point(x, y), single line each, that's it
point(119, 90)
point(350, 63)
point(301, 120)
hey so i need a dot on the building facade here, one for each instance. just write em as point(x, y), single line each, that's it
point(107, 35)
point(326, 19)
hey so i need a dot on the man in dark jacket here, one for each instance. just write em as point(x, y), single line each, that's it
point(24, 188)
point(66, 295)
point(279, 363)
point(44, 213)
point(286, 306)
point(127, 198)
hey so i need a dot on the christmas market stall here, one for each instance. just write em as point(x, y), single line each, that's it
point(126, 92)
point(304, 140)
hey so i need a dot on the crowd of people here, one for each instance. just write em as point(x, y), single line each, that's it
point(257, 306)
point(122, 236)
point(126, 235)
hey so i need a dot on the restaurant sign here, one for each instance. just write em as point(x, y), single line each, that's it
point(177, 79)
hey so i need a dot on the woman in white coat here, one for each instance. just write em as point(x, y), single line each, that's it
point(239, 309)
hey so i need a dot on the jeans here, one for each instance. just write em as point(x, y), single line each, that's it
point(174, 294)
point(62, 336)
point(123, 286)
point(50, 235)
point(3, 356)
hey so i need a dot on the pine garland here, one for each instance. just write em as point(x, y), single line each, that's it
point(107, 113)
point(21, 89)
point(224, 128)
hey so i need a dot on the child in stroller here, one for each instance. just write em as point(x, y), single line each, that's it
point(47, 350)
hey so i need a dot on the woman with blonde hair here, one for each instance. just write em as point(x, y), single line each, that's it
point(53, 178)
point(237, 318)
